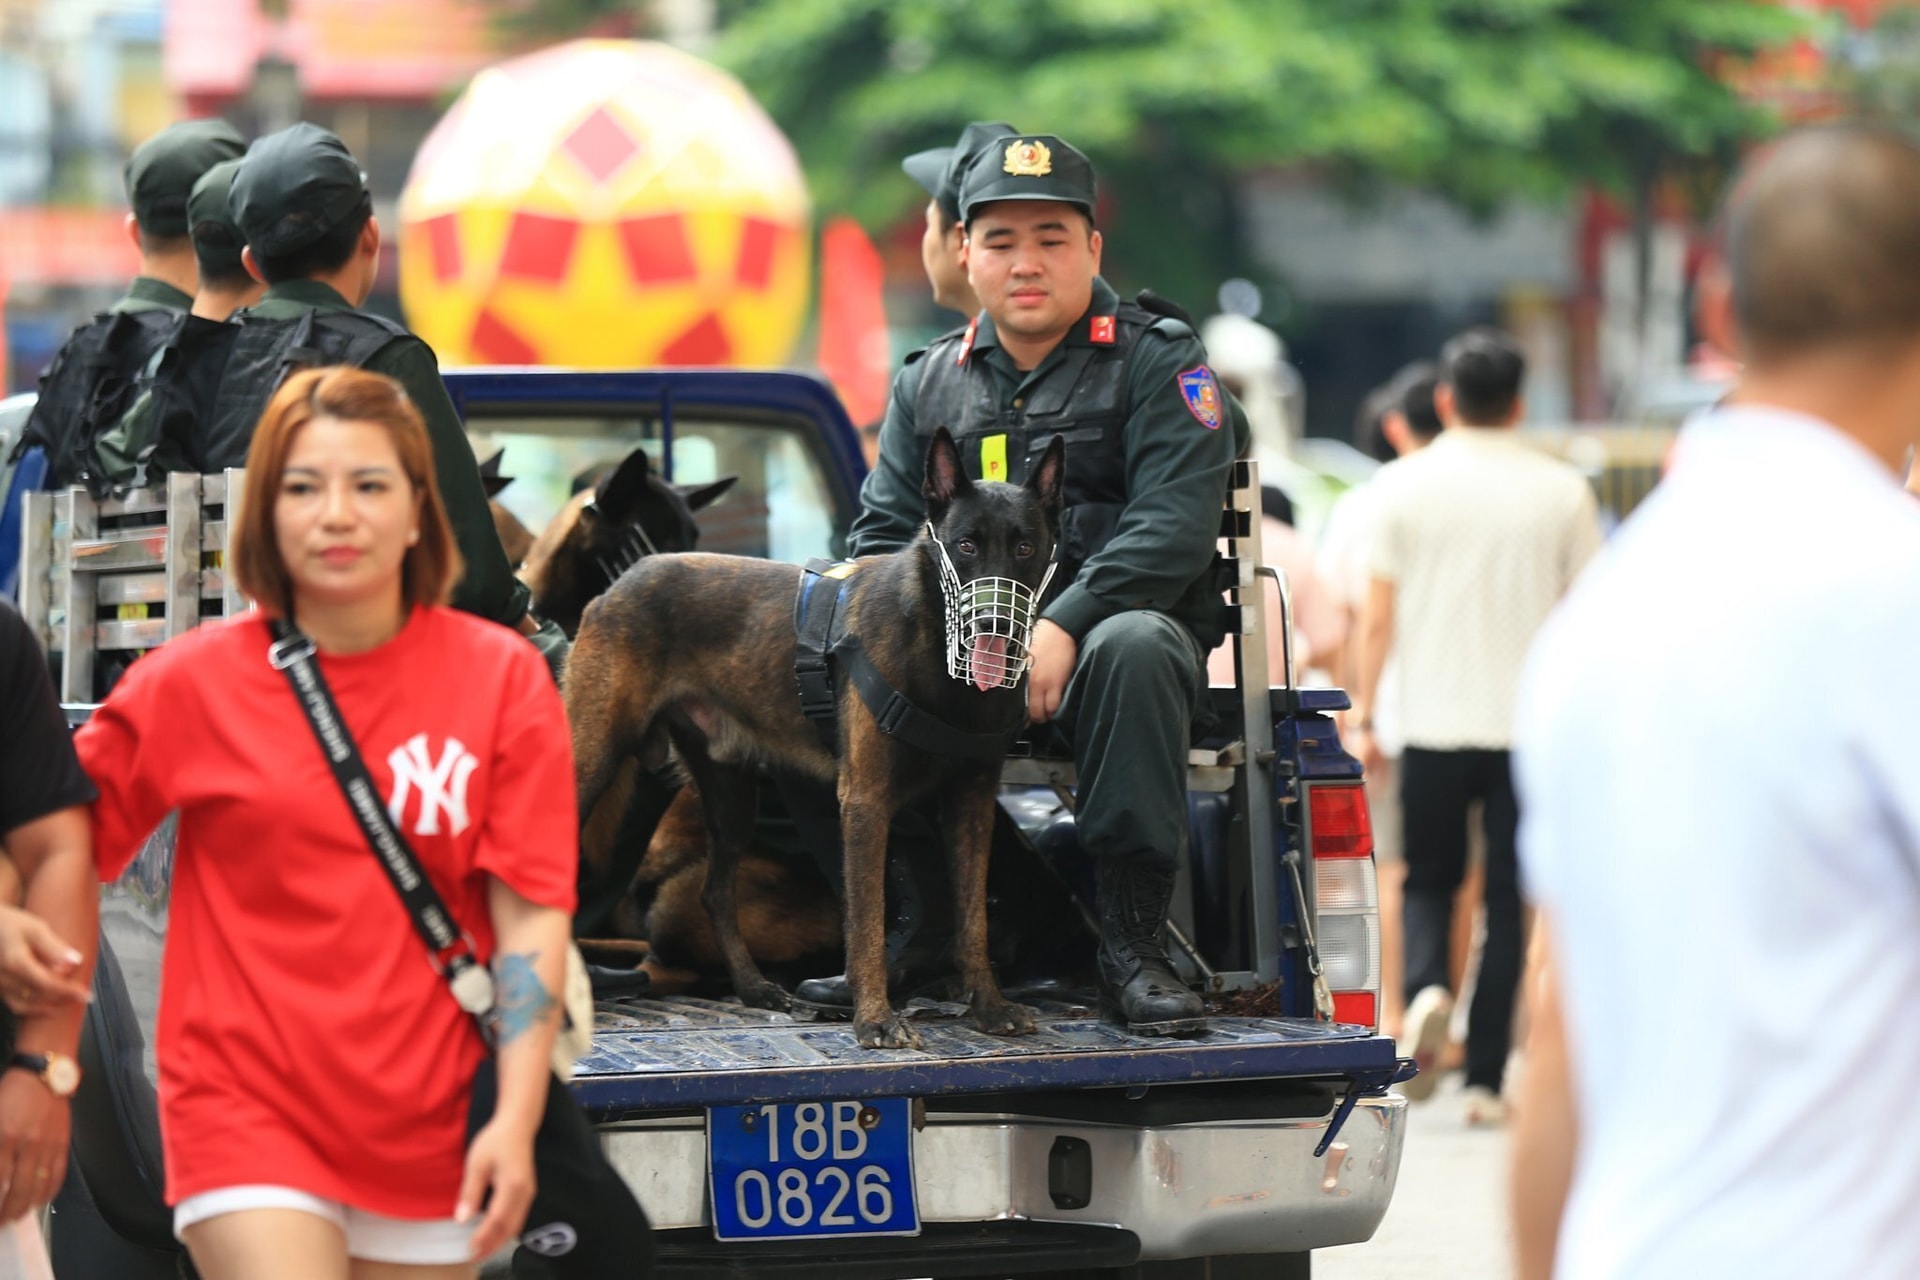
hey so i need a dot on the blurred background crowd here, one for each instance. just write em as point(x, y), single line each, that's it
point(719, 179)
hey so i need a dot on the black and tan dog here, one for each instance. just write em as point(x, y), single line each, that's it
point(695, 654)
point(602, 531)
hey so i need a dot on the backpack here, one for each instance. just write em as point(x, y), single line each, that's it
point(204, 391)
point(179, 384)
point(87, 390)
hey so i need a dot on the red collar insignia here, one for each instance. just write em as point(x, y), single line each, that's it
point(1101, 330)
point(966, 344)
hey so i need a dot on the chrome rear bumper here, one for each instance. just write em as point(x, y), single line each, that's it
point(1187, 1190)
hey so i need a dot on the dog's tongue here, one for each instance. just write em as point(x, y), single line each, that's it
point(989, 662)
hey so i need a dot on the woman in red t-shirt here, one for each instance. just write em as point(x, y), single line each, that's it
point(315, 1072)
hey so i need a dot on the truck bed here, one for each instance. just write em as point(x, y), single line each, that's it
point(684, 1052)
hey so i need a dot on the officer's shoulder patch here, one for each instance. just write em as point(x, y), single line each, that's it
point(1201, 390)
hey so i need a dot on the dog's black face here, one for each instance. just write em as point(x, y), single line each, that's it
point(994, 530)
point(633, 513)
point(993, 547)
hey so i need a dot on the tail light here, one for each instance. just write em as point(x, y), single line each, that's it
point(1346, 899)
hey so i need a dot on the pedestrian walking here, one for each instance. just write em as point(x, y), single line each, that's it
point(1397, 418)
point(315, 1071)
point(46, 949)
point(1475, 538)
point(1720, 783)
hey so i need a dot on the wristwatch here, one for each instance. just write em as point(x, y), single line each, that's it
point(57, 1071)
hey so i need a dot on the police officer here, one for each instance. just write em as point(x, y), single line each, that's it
point(225, 284)
point(943, 245)
point(95, 370)
point(303, 205)
point(146, 440)
point(1119, 652)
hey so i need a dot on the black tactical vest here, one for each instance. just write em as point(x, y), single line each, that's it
point(261, 356)
point(86, 389)
point(1084, 400)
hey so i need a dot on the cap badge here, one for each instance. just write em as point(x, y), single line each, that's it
point(1028, 159)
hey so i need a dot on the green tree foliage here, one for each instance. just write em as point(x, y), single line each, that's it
point(1483, 100)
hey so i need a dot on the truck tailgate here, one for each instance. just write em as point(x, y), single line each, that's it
point(651, 1055)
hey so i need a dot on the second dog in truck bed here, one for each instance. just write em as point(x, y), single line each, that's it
point(692, 656)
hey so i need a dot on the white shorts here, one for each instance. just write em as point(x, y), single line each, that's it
point(371, 1237)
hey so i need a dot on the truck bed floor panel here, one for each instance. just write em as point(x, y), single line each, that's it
point(650, 1055)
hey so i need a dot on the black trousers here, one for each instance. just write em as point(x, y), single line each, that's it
point(1436, 788)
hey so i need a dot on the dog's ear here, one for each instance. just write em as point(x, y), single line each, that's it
point(697, 496)
point(618, 494)
point(946, 478)
point(1048, 478)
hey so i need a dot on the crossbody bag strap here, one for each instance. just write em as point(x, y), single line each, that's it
point(449, 947)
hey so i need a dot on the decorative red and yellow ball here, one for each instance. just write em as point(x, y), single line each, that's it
point(606, 204)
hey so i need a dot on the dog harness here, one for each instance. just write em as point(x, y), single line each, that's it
point(824, 655)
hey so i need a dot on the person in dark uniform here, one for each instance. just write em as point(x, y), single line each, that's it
point(302, 202)
point(160, 175)
point(95, 369)
point(225, 284)
point(943, 247)
point(1119, 653)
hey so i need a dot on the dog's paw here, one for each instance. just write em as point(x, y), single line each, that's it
point(765, 995)
point(890, 1032)
point(1004, 1019)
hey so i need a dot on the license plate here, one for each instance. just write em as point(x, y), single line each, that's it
point(812, 1169)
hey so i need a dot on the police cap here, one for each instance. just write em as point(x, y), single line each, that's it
point(209, 214)
point(939, 171)
point(162, 170)
point(293, 188)
point(1027, 167)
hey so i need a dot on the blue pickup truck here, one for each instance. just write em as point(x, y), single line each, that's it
point(765, 1146)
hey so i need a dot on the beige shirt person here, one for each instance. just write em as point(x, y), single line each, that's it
point(1480, 535)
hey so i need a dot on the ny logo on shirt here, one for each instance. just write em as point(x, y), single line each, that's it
point(442, 784)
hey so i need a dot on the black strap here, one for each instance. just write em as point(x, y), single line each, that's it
point(815, 610)
point(451, 949)
point(900, 718)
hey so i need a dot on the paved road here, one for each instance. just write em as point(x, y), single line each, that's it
point(1448, 1217)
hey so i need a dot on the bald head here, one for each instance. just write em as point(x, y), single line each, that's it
point(1823, 244)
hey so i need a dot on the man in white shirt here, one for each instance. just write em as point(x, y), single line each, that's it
point(1475, 539)
point(1720, 769)
point(1396, 419)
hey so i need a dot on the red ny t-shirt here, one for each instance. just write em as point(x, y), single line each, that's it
point(303, 1038)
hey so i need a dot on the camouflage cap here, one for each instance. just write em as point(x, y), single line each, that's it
point(162, 170)
point(1027, 167)
point(216, 236)
point(293, 188)
point(939, 170)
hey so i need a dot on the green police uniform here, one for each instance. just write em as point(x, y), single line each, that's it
point(92, 379)
point(293, 188)
point(1150, 444)
point(161, 174)
point(149, 294)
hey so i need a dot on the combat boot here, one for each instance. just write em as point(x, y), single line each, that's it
point(919, 950)
point(1138, 986)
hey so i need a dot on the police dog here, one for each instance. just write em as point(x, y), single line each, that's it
point(629, 512)
point(692, 656)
